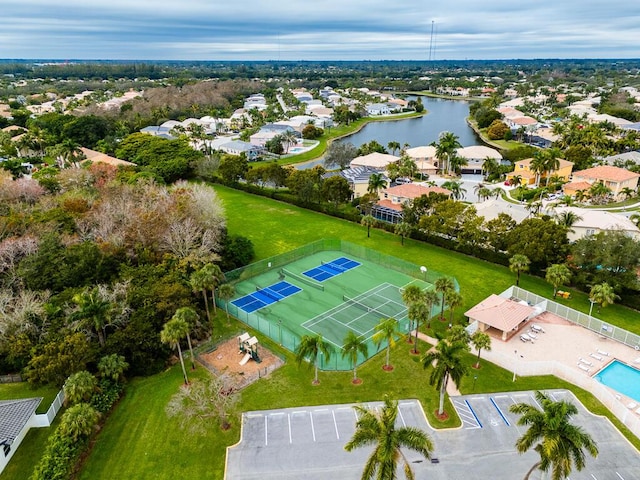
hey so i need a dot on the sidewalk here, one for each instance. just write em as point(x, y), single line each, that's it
point(452, 391)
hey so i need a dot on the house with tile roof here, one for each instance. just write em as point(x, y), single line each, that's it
point(357, 177)
point(99, 157)
point(614, 178)
point(522, 168)
point(391, 200)
point(376, 160)
point(502, 315)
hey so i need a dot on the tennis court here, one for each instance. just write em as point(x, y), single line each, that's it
point(327, 291)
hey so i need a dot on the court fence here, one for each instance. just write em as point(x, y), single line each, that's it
point(335, 244)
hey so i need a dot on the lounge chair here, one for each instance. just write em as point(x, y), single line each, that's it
point(603, 353)
point(584, 367)
point(586, 362)
point(631, 405)
point(532, 335)
point(537, 328)
point(596, 356)
point(637, 360)
point(525, 338)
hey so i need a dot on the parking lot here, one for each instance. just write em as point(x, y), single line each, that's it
point(309, 443)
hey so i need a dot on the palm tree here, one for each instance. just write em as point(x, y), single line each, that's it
point(603, 294)
point(226, 291)
point(79, 421)
point(79, 387)
point(379, 430)
point(519, 263)
point(191, 317)
point(368, 221)
point(515, 181)
point(457, 191)
point(557, 274)
point(112, 367)
point(289, 138)
point(560, 444)
point(418, 312)
point(376, 183)
point(454, 299)
point(568, 218)
point(480, 341)
point(312, 347)
point(411, 295)
point(393, 146)
point(95, 309)
point(403, 229)
point(387, 330)
point(443, 285)
point(352, 346)
point(628, 192)
point(212, 277)
point(538, 165)
point(447, 364)
point(198, 284)
point(446, 148)
point(172, 332)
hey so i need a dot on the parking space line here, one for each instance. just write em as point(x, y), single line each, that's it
point(500, 412)
point(313, 430)
point(404, 424)
point(335, 424)
point(473, 413)
point(620, 476)
point(464, 412)
point(266, 434)
point(290, 437)
point(594, 477)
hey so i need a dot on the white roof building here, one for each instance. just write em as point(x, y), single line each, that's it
point(379, 161)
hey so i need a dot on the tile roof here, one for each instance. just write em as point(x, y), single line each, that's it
point(95, 156)
point(14, 415)
point(414, 190)
point(607, 172)
point(500, 313)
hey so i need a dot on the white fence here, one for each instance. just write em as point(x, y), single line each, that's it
point(46, 419)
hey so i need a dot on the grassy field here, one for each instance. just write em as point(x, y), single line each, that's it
point(139, 441)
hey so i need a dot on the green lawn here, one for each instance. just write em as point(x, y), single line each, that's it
point(9, 391)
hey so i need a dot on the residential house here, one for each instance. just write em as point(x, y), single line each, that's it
point(522, 168)
point(623, 159)
point(238, 147)
point(615, 178)
point(358, 178)
point(99, 157)
point(376, 160)
point(389, 207)
point(425, 158)
point(376, 109)
point(16, 418)
point(590, 222)
point(475, 156)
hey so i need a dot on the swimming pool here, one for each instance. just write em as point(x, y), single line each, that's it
point(622, 378)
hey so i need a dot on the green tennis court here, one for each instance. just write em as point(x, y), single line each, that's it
point(353, 299)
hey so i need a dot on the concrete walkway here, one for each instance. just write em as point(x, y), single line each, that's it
point(452, 391)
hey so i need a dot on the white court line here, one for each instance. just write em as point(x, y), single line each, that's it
point(266, 433)
point(501, 396)
point(298, 411)
point(290, 438)
point(320, 409)
point(344, 408)
point(335, 424)
point(313, 430)
point(253, 415)
point(404, 424)
point(276, 414)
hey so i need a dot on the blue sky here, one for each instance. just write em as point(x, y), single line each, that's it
point(319, 30)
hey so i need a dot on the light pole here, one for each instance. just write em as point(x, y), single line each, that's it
point(473, 389)
point(515, 365)
point(592, 301)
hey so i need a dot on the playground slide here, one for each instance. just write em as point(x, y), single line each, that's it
point(245, 359)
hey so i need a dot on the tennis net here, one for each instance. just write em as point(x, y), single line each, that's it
point(384, 310)
point(334, 267)
point(301, 279)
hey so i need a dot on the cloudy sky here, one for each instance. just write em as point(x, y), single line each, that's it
point(319, 30)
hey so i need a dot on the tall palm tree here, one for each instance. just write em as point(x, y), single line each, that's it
point(557, 274)
point(447, 364)
point(368, 221)
point(94, 309)
point(379, 430)
point(446, 147)
point(480, 341)
point(519, 263)
point(394, 146)
point(354, 345)
point(387, 330)
point(559, 443)
point(419, 312)
point(431, 298)
point(457, 191)
point(443, 285)
point(312, 346)
point(289, 139)
point(454, 299)
point(172, 332)
point(538, 166)
point(198, 284)
point(191, 317)
point(411, 295)
point(212, 277)
point(567, 218)
point(376, 183)
point(603, 294)
point(226, 291)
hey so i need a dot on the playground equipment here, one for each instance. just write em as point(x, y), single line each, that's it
point(249, 346)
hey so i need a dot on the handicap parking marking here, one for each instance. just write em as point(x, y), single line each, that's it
point(466, 414)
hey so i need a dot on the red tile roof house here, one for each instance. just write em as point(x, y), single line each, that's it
point(389, 207)
point(500, 315)
point(614, 178)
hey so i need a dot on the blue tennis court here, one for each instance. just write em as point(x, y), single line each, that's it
point(331, 269)
point(265, 296)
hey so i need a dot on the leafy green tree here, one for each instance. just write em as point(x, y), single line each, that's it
point(379, 430)
point(339, 154)
point(335, 190)
point(79, 387)
point(542, 240)
point(79, 421)
point(55, 360)
point(557, 275)
point(173, 331)
point(352, 346)
point(232, 168)
point(112, 367)
point(403, 229)
point(560, 444)
point(387, 330)
point(459, 334)
point(519, 263)
point(312, 347)
point(275, 145)
point(372, 146)
point(443, 285)
point(447, 364)
point(480, 341)
point(306, 184)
